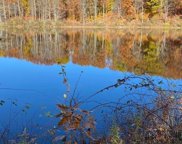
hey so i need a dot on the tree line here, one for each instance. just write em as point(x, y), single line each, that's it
point(85, 10)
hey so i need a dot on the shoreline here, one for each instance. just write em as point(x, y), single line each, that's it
point(95, 27)
point(63, 25)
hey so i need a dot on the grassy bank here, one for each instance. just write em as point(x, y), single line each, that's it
point(19, 23)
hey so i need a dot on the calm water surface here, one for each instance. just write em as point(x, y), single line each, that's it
point(32, 66)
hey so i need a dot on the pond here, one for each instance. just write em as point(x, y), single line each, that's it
point(56, 85)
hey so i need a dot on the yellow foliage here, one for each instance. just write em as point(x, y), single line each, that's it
point(26, 7)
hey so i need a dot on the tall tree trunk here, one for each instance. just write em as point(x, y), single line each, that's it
point(83, 11)
point(9, 11)
point(103, 10)
point(35, 10)
point(166, 9)
point(55, 10)
point(4, 10)
point(95, 10)
point(142, 10)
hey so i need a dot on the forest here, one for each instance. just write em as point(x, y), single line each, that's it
point(93, 12)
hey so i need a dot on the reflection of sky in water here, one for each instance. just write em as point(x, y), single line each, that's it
point(41, 88)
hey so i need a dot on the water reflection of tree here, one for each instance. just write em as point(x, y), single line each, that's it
point(150, 57)
point(126, 51)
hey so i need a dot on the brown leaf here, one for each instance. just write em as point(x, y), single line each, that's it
point(86, 112)
point(89, 132)
point(75, 123)
point(62, 107)
point(64, 120)
point(78, 117)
